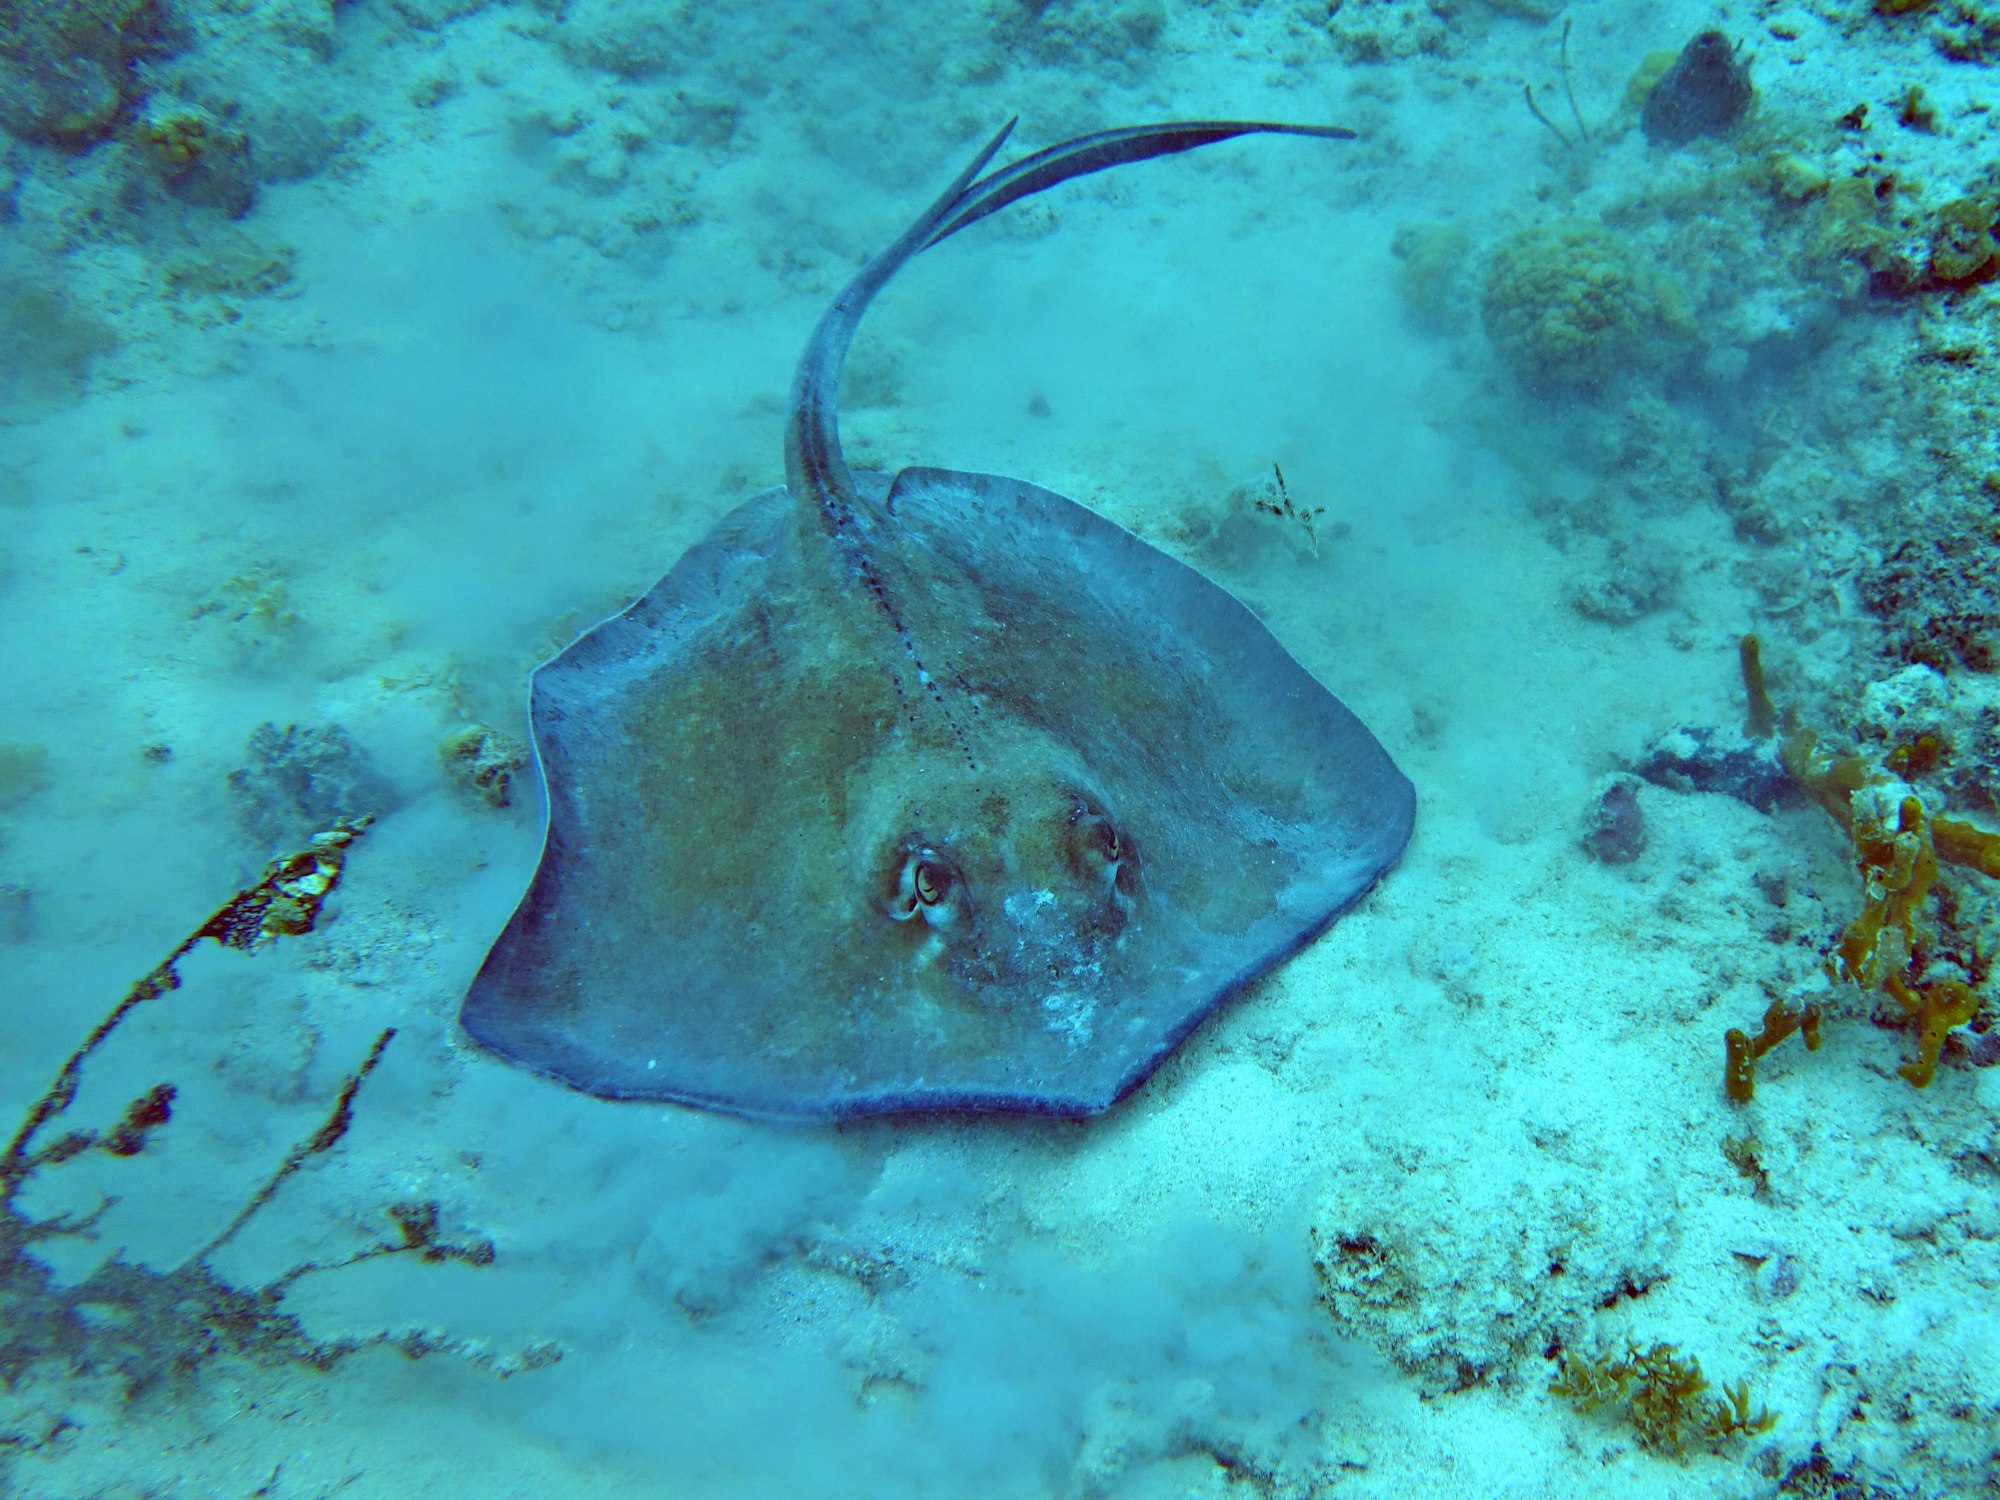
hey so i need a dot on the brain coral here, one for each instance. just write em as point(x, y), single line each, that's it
point(1564, 303)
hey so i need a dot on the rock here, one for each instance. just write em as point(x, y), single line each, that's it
point(302, 778)
point(1615, 828)
point(68, 68)
point(198, 158)
point(1703, 759)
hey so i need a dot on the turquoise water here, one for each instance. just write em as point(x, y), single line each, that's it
point(358, 357)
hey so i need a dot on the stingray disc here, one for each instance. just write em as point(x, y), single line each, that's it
point(944, 793)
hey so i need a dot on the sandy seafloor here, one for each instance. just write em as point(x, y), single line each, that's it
point(509, 325)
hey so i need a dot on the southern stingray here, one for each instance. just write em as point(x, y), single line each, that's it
point(924, 791)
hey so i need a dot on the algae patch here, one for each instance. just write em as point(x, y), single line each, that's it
point(24, 771)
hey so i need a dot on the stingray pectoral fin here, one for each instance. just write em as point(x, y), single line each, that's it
point(1261, 806)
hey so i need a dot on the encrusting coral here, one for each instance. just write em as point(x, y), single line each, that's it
point(1963, 249)
point(1900, 849)
point(482, 761)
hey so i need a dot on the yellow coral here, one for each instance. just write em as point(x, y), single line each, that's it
point(176, 140)
point(1900, 847)
point(1739, 1074)
point(1565, 304)
point(1663, 1394)
point(1963, 247)
point(1850, 245)
point(1795, 180)
point(1652, 68)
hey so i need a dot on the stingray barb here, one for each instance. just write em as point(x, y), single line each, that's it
point(923, 791)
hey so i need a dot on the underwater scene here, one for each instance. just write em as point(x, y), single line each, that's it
point(1321, 819)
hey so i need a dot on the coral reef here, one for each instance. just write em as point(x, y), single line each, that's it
point(1794, 180)
point(1964, 30)
point(1915, 110)
point(1936, 593)
point(1564, 304)
point(67, 66)
point(1963, 249)
point(1385, 30)
point(1880, 222)
point(198, 158)
point(1461, 1274)
point(629, 39)
point(1120, 37)
point(1817, 1477)
point(1663, 1395)
point(1625, 583)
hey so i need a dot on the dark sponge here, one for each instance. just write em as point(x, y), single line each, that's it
point(1701, 759)
point(1705, 92)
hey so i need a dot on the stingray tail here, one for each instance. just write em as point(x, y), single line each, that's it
point(1094, 153)
point(814, 468)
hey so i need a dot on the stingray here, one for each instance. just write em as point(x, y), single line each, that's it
point(924, 791)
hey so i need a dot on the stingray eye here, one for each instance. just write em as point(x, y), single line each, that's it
point(929, 882)
point(1096, 839)
point(927, 887)
point(1101, 855)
